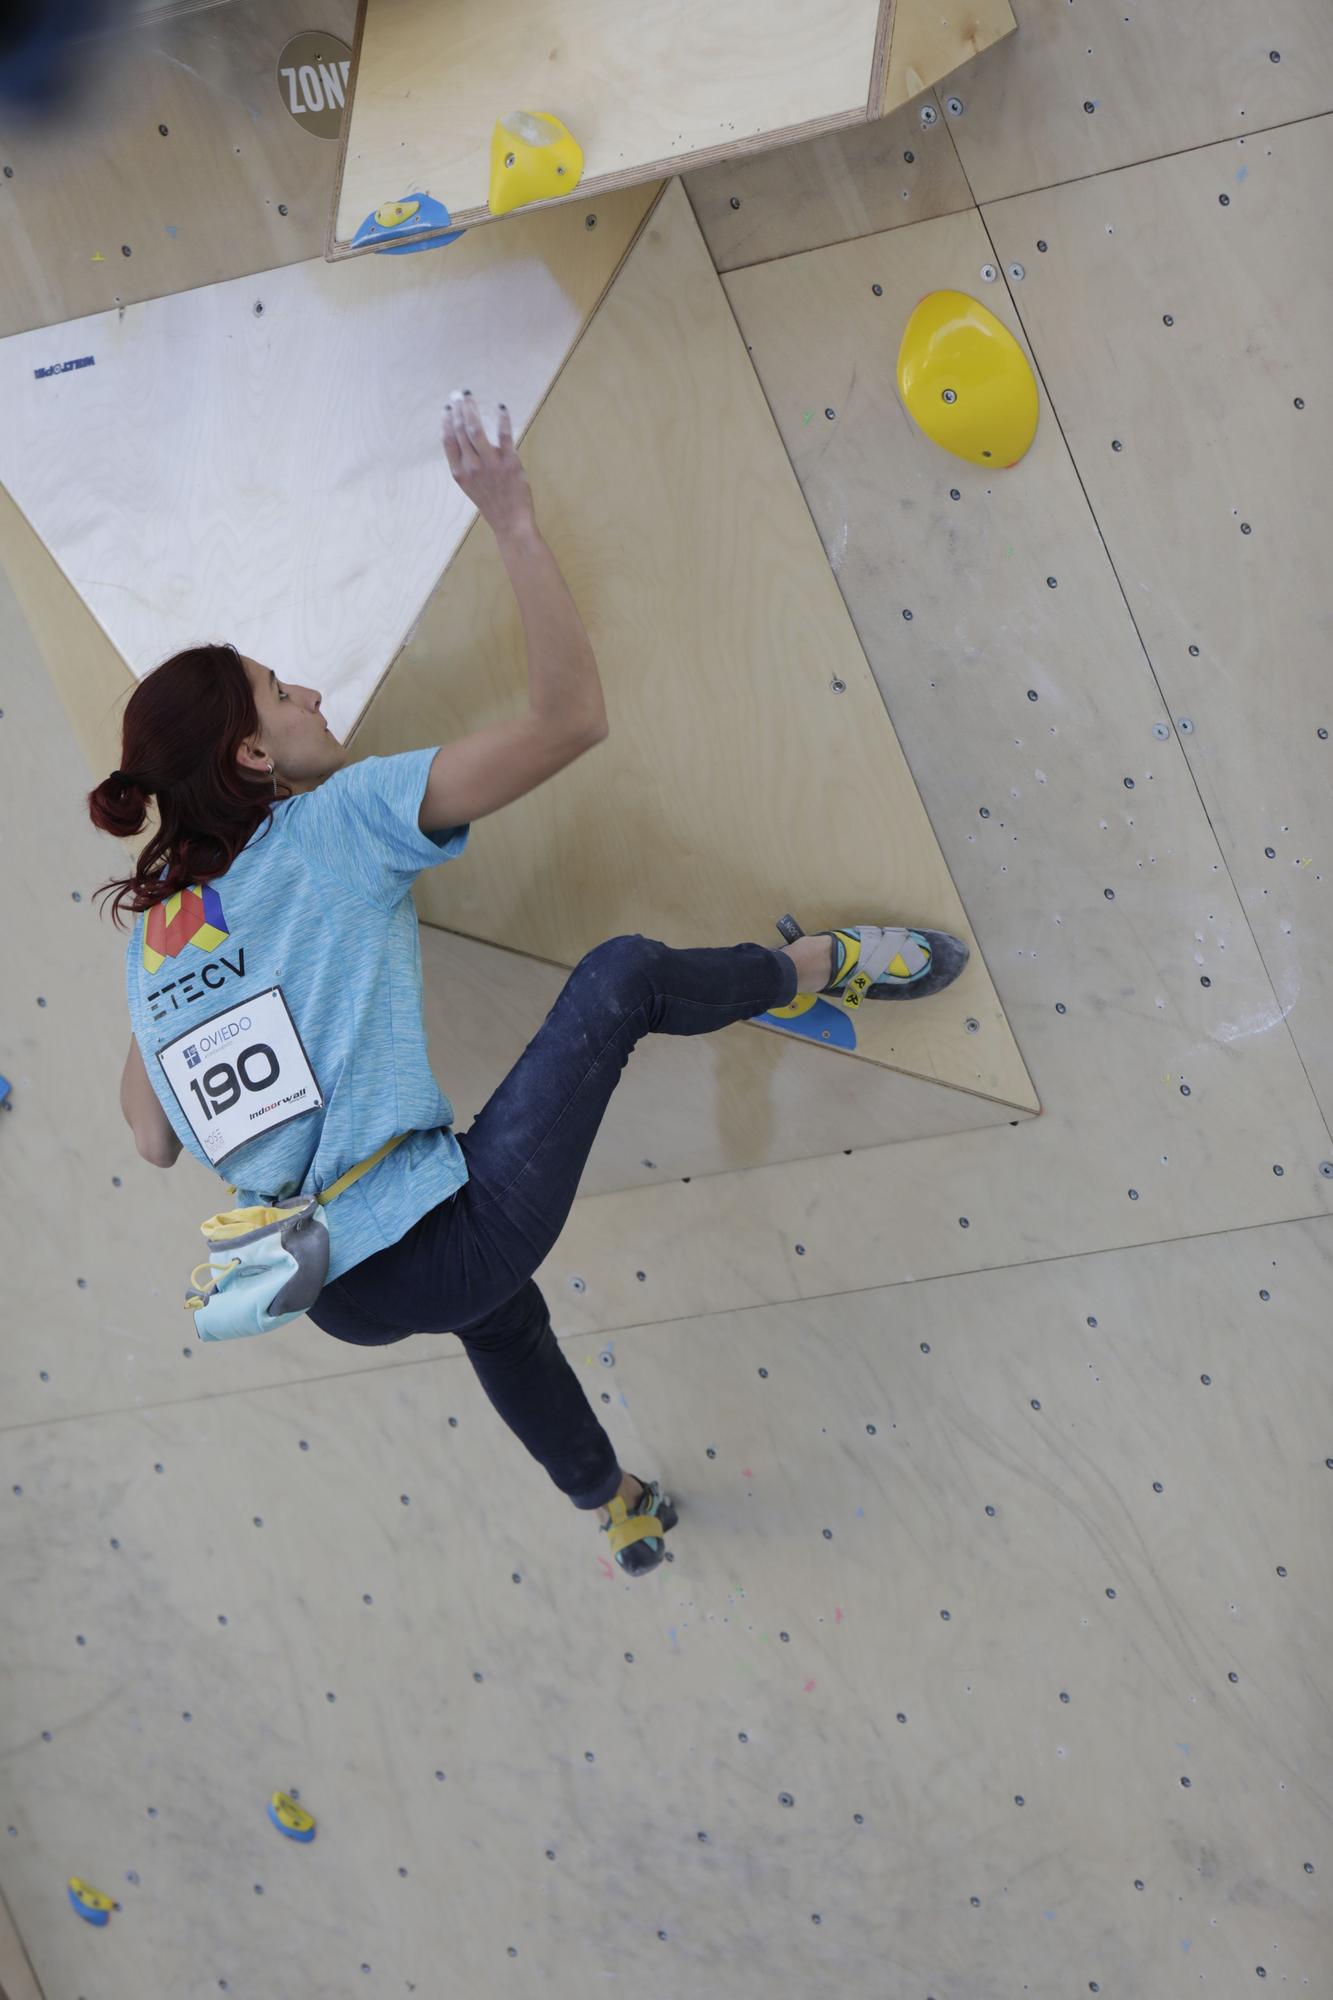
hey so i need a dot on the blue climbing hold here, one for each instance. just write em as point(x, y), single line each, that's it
point(394, 221)
point(815, 1020)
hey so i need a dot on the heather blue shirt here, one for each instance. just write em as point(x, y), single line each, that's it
point(319, 908)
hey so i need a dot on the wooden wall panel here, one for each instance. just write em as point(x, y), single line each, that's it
point(1104, 996)
point(234, 185)
point(261, 460)
point(365, 1589)
point(930, 38)
point(16, 1975)
point(270, 1566)
point(1083, 88)
point(643, 89)
point(852, 183)
point(1204, 448)
point(751, 768)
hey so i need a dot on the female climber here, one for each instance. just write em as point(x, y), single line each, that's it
point(303, 927)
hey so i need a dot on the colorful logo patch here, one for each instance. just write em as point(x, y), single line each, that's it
point(192, 916)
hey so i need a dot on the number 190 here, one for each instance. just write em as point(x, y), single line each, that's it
point(223, 1083)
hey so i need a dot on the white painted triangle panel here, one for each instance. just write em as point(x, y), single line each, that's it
point(260, 461)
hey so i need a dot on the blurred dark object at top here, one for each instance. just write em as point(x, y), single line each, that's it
point(49, 54)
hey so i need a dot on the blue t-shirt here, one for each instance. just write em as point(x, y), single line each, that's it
point(303, 962)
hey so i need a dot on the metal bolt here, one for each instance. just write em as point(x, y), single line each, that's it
point(1160, 731)
point(973, 1026)
point(988, 273)
point(948, 395)
point(590, 222)
point(954, 106)
point(1185, 726)
point(1017, 273)
point(1326, 1169)
point(735, 201)
point(929, 115)
point(838, 687)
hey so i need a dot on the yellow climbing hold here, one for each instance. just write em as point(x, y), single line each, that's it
point(291, 1818)
point(533, 157)
point(966, 381)
point(795, 1008)
point(94, 1898)
point(391, 213)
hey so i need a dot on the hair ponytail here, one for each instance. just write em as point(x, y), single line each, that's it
point(207, 808)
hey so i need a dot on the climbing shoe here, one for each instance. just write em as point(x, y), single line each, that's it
point(875, 964)
point(636, 1532)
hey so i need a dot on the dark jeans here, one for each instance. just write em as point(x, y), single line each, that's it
point(466, 1267)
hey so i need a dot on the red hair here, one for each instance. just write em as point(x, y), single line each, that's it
point(183, 726)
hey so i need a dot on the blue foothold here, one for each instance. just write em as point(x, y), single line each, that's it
point(391, 226)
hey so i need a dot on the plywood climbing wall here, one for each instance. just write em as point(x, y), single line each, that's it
point(646, 91)
point(1209, 277)
point(993, 1654)
point(263, 457)
point(752, 769)
point(192, 160)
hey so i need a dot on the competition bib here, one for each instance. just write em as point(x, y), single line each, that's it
point(242, 1074)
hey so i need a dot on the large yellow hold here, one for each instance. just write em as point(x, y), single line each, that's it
point(533, 157)
point(966, 381)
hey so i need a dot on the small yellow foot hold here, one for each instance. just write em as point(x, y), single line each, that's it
point(390, 213)
point(533, 158)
